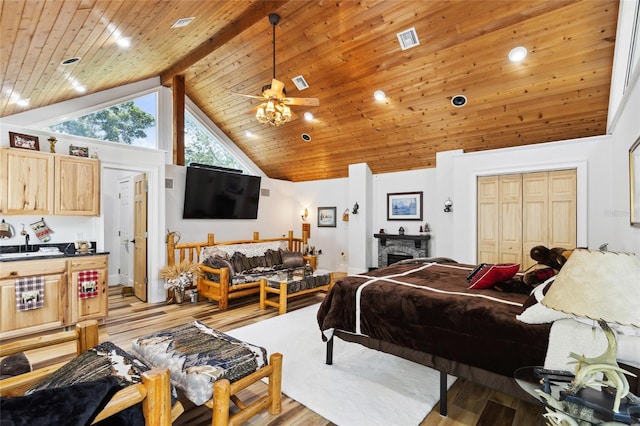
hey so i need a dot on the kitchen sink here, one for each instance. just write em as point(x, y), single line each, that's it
point(31, 254)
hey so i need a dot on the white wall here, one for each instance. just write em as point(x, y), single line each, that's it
point(275, 213)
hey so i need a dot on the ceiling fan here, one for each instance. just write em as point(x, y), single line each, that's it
point(275, 109)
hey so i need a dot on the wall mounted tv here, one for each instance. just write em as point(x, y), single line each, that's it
point(218, 193)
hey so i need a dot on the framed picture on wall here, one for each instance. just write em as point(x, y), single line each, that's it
point(404, 206)
point(18, 140)
point(634, 182)
point(326, 217)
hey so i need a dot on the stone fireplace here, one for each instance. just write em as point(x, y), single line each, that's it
point(395, 247)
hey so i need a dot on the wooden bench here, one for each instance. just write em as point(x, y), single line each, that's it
point(154, 392)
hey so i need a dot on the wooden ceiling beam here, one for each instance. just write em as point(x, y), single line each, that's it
point(253, 14)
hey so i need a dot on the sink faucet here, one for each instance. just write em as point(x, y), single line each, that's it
point(26, 243)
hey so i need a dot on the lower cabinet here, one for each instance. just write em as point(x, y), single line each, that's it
point(73, 289)
point(84, 271)
point(17, 319)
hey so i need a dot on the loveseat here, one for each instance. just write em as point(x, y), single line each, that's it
point(233, 269)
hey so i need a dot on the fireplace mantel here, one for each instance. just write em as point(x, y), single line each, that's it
point(417, 239)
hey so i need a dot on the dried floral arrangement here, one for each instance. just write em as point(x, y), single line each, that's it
point(180, 275)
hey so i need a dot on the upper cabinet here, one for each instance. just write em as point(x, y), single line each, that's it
point(26, 182)
point(77, 186)
point(35, 182)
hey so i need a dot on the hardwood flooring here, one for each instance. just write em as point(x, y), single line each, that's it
point(468, 403)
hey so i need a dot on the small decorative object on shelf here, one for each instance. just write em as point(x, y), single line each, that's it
point(308, 270)
point(178, 278)
point(401, 231)
point(52, 144)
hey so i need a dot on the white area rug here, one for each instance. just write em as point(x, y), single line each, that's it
point(362, 387)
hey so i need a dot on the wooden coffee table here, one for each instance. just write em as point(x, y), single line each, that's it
point(285, 287)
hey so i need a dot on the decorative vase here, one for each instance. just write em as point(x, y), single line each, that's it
point(178, 294)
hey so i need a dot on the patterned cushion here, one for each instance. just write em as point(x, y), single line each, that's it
point(197, 356)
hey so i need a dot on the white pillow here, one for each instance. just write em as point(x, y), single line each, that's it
point(537, 313)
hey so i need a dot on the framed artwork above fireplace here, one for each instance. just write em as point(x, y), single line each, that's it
point(404, 206)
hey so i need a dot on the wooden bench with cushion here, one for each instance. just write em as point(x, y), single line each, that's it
point(211, 367)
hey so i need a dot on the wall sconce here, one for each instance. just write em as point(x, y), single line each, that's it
point(448, 205)
point(304, 214)
point(355, 208)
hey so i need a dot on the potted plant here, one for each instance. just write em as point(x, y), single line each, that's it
point(178, 277)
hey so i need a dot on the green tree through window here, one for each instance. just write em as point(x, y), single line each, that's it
point(124, 123)
point(201, 146)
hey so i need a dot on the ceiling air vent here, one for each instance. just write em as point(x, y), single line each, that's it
point(408, 38)
point(300, 82)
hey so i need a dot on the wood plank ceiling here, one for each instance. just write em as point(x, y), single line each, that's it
point(345, 50)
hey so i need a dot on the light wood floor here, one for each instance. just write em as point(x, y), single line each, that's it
point(468, 404)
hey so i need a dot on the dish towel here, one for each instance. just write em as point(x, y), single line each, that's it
point(29, 293)
point(87, 284)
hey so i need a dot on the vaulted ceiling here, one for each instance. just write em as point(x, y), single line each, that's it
point(345, 50)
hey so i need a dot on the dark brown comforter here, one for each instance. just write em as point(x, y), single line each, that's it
point(428, 308)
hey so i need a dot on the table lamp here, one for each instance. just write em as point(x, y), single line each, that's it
point(603, 286)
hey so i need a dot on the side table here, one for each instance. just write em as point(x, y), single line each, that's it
point(590, 407)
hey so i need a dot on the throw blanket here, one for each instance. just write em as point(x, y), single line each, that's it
point(197, 356)
point(87, 284)
point(74, 405)
point(29, 293)
point(429, 308)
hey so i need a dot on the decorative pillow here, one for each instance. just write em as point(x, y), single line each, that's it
point(218, 262)
point(292, 259)
point(534, 312)
point(272, 258)
point(14, 365)
point(490, 274)
point(240, 262)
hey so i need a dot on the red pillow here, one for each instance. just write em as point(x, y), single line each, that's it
point(490, 274)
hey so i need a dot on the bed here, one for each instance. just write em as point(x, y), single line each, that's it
point(425, 313)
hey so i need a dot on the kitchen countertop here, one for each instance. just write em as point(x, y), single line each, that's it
point(17, 254)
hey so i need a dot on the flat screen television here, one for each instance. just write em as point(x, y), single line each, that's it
point(214, 193)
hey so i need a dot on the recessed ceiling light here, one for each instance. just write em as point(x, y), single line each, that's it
point(124, 42)
point(80, 88)
point(23, 102)
point(459, 101)
point(308, 116)
point(379, 95)
point(70, 61)
point(248, 133)
point(182, 22)
point(517, 54)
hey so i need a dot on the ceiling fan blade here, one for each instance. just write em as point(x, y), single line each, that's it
point(248, 96)
point(277, 86)
point(302, 101)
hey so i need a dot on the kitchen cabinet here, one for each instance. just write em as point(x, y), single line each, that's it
point(92, 307)
point(54, 312)
point(41, 183)
point(77, 186)
point(26, 182)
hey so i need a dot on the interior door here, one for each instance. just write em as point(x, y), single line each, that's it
point(140, 234)
point(125, 232)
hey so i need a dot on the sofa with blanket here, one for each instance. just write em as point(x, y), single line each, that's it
point(233, 269)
